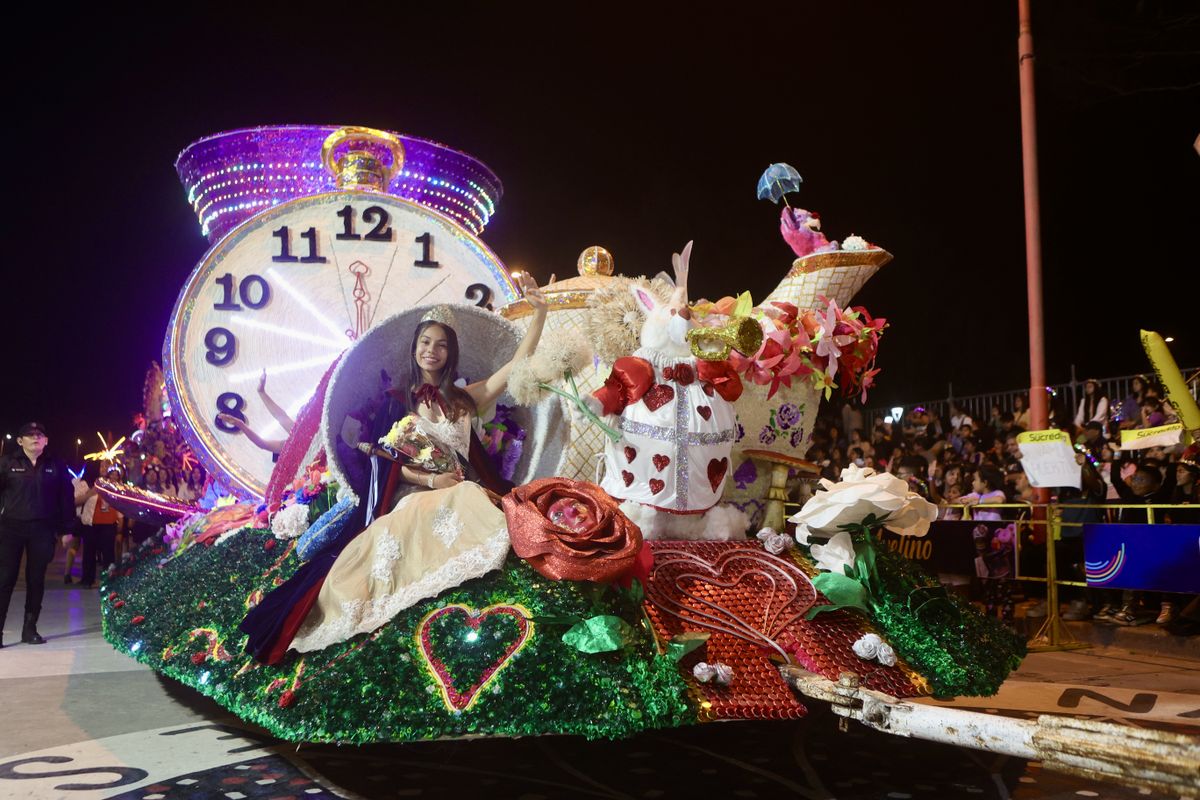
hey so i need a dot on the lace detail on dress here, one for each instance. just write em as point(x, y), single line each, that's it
point(447, 525)
point(360, 616)
point(387, 553)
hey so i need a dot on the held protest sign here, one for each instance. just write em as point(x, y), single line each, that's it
point(1048, 460)
point(1162, 436)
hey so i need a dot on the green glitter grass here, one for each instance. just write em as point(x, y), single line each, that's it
point(945, 639)
point(376, 688)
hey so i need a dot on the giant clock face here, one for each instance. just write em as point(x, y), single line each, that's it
point(288, 291)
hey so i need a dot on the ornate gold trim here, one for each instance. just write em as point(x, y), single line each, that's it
point(875, 257)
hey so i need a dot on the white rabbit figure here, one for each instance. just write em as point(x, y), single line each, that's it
point(677, 423)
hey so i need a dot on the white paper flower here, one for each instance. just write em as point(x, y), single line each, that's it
point(802, 533)
point(704, 672)
point(773, 541)
point(887, 656)
point(290, 522)
point(834, 555)
point(724, 674)
point(863, 492)
point(868, 646)
point(855, 242)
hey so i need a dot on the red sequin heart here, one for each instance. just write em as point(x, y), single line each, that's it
point(629, 454)
point(627, 477)
point(716, 472)
point(661, 461)
point(658, 396)
point(708, 388)
point(656, 486)
point(704, 411)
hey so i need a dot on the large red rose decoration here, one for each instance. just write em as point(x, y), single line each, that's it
point(571, 530)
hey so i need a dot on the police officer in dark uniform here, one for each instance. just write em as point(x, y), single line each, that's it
point(36, 505)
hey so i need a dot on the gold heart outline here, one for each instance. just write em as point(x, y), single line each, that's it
point(454, 700)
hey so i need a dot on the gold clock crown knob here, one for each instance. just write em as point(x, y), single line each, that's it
point(362, 158)
point(595, 260)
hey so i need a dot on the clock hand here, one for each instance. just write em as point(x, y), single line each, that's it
point(379, 294)
point(337, 268)
point(417, 302)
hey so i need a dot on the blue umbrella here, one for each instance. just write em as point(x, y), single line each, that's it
point(778, 180)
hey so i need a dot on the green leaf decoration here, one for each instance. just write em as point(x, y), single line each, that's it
point(743, 305)
point(684, 643)
point(601, 634)
point(864, 563)
point(636, 593)
point(842, 591)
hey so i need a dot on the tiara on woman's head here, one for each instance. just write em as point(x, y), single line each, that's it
point(442, 315)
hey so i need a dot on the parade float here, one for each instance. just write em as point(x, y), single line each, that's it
point(329, 246)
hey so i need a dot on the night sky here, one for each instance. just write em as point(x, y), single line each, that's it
point(637, 133)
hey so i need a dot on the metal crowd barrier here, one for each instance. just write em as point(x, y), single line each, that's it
point(1053, 634)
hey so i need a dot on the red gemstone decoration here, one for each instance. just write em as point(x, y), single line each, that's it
point(716, 472)
point(661, 461)
point(656, 486)
point(704, 411)
point(658, 396)
point(627, 477)
point(629, 454)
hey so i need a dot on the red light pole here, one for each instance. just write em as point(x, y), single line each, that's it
point(1039, 416)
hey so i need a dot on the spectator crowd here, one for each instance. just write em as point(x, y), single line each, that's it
point(962, 463)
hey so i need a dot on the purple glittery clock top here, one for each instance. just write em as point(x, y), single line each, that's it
point(232, 176)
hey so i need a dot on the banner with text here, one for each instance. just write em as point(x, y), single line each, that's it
point(1048, 460)
point(1161, 558)
point(983, 548)
point(1162, 436)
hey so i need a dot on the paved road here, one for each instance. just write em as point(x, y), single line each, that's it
point(82, 722)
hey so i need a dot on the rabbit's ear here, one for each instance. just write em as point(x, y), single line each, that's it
point(644, 297)
point(685, 256)
point(680, 262)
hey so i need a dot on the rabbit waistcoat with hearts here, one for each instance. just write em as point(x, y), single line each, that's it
point(677, 426)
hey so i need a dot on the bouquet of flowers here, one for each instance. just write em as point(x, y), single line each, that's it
point(829, 346)
point(406, 440)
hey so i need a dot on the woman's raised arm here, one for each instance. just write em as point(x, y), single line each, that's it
point(485, 392)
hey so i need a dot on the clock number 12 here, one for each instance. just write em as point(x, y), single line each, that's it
point(382, 232)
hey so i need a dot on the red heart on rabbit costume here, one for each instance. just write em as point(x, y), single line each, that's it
point(704, 411)
point(661, 461)
point(658, 396)
point(716, 472)
point(656, 486)
point(629, 454)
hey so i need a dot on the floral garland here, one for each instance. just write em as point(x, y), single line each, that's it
point(828, 346)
